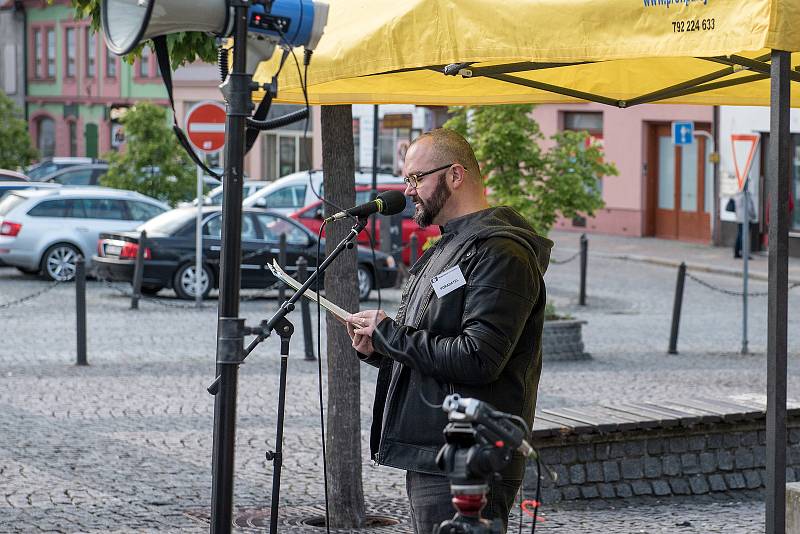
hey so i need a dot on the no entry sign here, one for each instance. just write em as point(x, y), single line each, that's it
point(205, 125)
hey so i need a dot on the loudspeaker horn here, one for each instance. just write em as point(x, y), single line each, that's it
point(126, 23)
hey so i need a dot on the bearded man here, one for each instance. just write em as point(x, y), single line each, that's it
point(469, 322)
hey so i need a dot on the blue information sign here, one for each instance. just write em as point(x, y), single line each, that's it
point(682, 132)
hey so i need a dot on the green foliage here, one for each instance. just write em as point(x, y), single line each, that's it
point(153, 162)
point(16, 149)
point(183, 47)
point(540, 185)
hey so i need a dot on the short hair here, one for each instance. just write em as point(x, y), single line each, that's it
point(450, 146)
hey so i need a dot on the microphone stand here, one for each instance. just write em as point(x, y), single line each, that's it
point(284, 328)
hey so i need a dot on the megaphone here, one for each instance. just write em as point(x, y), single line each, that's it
point(127, 23)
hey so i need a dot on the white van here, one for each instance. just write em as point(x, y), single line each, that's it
point(293, 192)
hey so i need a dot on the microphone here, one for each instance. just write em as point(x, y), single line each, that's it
point(389, 202)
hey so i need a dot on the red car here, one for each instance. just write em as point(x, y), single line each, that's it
point(311, 218)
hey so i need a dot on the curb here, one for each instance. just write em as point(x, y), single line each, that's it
point(689, 265)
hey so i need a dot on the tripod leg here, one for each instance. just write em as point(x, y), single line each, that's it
point(284, 329)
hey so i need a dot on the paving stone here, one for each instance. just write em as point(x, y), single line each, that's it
point(794, 435)
point(641, 487)
point(717, 482)
point(606, 491)
point(610, 471)
point(568, 455)
point(749, 438)
point(661, 487)
point(671, 465)
point(714, 441)
point(678, 444)
point(602, 451)
point(724, 460)
point(590, 492)
point(594, 472)
point(679, 486)
point(652, 467)
point(570, 493)
point(698, 484)
point(617, 450)
point(633, 448)
point(562, 474)
point(585, 453)
point(708, 462)
point(697, 443)
point(577, 474)
point(631, 468)
point(690, 464)
point(623, 490)
point(734, 480)
point(655, 446)
point(752, 479)
point(743, 458)
point(731, 440)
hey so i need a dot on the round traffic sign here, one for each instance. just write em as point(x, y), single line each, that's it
point(205, 126)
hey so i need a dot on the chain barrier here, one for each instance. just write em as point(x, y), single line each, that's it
point(732, 293)
point(32, 296)
point(561, 262)
point(129, 294)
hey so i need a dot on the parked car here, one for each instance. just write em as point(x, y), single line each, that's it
point(311, 217)
point(79, 174)
point(169, 256)
point(47, 230)
point(12, 176)
point(214, 197)
point(42, 170)
point(7, 187)
point(292, 192)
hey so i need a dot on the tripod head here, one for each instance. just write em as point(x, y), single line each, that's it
point(479, 442)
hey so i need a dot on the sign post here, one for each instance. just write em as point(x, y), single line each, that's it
point(742, 180)
point(205, 124)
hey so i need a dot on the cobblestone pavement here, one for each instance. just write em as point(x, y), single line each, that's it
point(124, 445)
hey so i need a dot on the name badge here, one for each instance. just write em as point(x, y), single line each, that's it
point(448, 281)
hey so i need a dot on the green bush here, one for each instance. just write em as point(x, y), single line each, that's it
point(153, 162)
point(16, 149)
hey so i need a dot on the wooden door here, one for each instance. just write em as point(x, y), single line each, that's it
point(679, 187)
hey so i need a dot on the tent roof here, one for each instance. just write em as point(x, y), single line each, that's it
point(619, 52)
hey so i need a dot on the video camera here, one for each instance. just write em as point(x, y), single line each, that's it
point(480, 442)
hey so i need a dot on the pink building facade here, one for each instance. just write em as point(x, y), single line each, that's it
point(661, 190)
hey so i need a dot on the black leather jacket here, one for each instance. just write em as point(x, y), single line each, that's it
point(481, 340)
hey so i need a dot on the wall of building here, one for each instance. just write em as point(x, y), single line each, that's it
point(12, 53)
point(624, 138)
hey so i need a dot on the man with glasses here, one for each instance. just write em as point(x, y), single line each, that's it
point(470, 322)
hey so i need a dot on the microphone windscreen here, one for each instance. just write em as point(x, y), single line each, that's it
point(394, 202)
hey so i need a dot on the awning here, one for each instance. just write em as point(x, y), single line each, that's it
point(618, 52)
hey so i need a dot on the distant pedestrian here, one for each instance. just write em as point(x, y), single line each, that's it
point(738, 200)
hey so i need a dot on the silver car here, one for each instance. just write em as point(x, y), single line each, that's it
point(47, 230)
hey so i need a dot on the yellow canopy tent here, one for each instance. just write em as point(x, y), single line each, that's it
point(616, 52)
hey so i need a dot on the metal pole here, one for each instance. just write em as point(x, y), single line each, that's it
point(745, 260)
point(230, 338)
point(282, 263)
point(676, 309)
point(198, 241)
point(375, 153)
point(80, 309)
point(779, 174)
point(305, 310)
point(584, 259)
point(138, 271)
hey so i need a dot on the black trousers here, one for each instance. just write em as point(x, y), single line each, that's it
point(430, 500)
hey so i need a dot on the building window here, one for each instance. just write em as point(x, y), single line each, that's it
point(582, 121)
point(91, 53)
point(73, 138)
point(285, 153)
point(144, 63)
point(51, 53)
point(111, 64)
point(69, 37)
point(46, 141)
point(38, 47)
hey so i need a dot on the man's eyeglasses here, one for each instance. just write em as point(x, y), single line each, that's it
point(414, 179)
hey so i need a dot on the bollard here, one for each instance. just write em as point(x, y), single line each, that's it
point(676, 309)
point(282, 263)
point(138, 272)
point(80, 309)
point(302, 275)
point(414, 243)
point(584, 259)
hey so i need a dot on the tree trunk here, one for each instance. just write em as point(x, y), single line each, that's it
point(344, 411)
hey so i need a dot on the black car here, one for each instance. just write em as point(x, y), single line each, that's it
point(170, 252)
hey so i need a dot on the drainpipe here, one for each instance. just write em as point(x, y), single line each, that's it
point(716, 233)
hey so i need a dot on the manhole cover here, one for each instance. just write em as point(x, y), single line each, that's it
point(373, 521)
